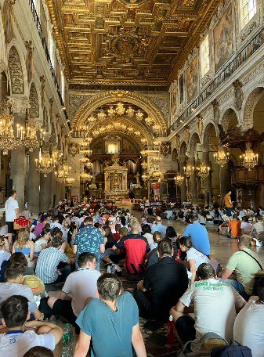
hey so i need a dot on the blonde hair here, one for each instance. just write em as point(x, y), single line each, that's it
point(157, 236)
point(134, 225)
point(23, 238)
point(2, 242)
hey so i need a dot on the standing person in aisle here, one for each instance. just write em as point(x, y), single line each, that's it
point(11, 213)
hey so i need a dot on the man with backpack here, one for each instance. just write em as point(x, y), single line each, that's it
point(245, 263)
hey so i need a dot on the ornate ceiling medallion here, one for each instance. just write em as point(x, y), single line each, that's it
point(124, 45)
point(133, 3)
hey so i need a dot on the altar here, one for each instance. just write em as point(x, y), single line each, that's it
point(115, 177)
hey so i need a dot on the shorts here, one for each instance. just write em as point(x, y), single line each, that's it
point(10, 226)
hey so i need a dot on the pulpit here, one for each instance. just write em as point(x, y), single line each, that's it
point(115, 181)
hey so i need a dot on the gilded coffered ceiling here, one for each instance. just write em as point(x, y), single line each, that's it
point(127, 42)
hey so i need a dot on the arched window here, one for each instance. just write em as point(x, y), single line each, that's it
point(248, 9)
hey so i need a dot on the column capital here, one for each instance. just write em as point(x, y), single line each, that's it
point(19, 105)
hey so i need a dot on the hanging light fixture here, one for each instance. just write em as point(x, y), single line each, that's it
point(144, 177)
point(188, 170)
point(139, 115)
point(130, 112)
point(69, 181)
point(249, 159)
point(111, 111)
point(221, 156)
point(120, 109)
point(45, 164)
point(31, 139)
point(63, 172)
point(203, 170)
point(9, 139)
point(86, 176)
point(179, 179)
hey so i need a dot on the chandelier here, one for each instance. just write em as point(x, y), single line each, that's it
point(179, 179)
point(69, 181)
point(9, 140)
point(63, 172)
point(203, 171)
point(249, 159)
point(86, 176)
point(221, 156)
point(45, 164)
point(188, 170)
point(144, 177)
point(31, 139)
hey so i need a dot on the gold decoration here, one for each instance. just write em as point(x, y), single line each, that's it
point(221, 156)
point(249, 158)
point(203, 171)
point(179, 179)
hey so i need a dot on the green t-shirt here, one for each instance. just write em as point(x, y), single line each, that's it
point(245, 268)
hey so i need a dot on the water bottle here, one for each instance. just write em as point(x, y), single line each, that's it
point(170, 332)
point(67, 341)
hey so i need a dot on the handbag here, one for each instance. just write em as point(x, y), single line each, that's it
point(255, 286)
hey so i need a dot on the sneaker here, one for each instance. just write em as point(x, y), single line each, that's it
point(258, 243)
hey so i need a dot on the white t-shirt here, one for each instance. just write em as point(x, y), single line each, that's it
point(198, 256)
point(7, 290)
point(247, 227)
point(18, 343)
point(149, 238)
point(249, 327)
point(4, 256)
point(215, 306)
point(10, 206)
point(38, 243)
point(4, 230)
point(81, 284)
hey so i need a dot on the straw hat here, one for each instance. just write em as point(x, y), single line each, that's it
point(34, 283)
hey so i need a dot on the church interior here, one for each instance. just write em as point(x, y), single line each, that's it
point(133, 101)
point(174, 88)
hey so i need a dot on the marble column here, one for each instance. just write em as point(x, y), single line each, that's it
point(18, 167)
point(183, 186)
point(44, 199)
point(53, 189)
point(193, 182)
point(207, 181)
point(33, 183)
point(224, 180)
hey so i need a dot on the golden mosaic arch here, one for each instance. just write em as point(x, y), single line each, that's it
point(123, 96)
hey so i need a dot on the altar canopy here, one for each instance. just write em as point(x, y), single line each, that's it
point(116, 181)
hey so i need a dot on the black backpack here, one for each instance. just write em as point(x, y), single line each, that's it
point(231, 351)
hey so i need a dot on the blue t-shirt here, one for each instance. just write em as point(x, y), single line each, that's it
point(160, 228)
point(88, 239)
point(199, 237)
point(110, 331)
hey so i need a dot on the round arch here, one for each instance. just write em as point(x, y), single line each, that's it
point(123, 96)
point(229, 119)
point(210, 127)
point(195, 139)
point(231, 108)
point(249, 106)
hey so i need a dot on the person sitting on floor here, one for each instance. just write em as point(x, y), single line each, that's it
point(249, 327)
point(14, 275)
point(193, 257)
point(17, 336)
point(39, 351)
point(234, 227)
point(245, 263)
point(214, 304)
point(81, 284)
point(136, 247)
point(198, 235)
point(111, 323)
point(26, 246)
point(163, 284)
point(50, 260)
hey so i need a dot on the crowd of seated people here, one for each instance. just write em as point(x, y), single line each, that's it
point(72, 246)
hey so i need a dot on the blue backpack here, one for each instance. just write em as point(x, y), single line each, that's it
point(231, 351)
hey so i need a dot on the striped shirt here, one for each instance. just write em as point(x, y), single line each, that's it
point(48, 261)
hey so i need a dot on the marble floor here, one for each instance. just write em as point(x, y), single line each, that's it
point(221, 247)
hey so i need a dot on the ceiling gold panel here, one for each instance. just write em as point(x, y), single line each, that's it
point(127, 42)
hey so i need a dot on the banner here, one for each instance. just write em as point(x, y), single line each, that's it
point(156, 190)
